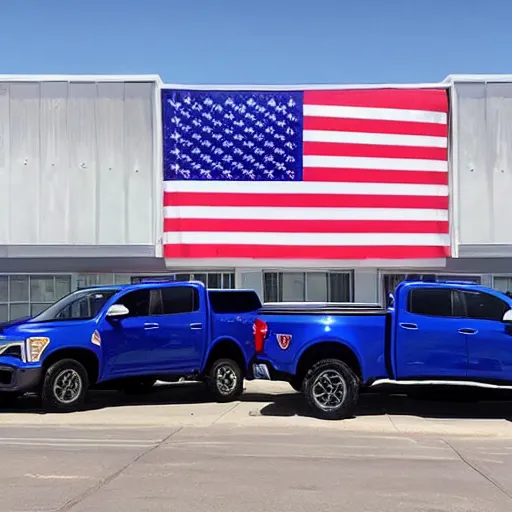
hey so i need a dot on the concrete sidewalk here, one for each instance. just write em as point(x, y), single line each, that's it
point(266, 404)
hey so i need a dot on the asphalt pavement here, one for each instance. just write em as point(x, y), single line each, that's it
point(172, 452)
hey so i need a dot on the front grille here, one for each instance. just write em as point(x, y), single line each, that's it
point(6, 377)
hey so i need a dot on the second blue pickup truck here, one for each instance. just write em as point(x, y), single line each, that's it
point(431, 333)
point(127, 338)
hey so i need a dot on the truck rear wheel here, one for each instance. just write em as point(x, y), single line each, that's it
point(331, 389)
point(65, 386)
point(225, 380)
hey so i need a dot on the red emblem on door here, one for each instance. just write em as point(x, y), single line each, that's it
point(284, 340)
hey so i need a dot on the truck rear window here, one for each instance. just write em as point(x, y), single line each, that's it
point(233, 301)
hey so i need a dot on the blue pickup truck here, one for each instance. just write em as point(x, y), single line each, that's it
point(127, 338)
point(431, 334)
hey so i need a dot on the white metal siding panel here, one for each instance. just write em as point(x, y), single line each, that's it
point(53, 208)
point(499, 126)
point(25, 163)
point(5, 161)
point(77, 163)
point(82, 205)
point(475, 186)
point(138, 122)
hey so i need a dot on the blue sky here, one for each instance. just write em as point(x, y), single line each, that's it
point(262, 41)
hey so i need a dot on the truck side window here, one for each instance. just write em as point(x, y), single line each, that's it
point(137, 302)
point(430, 301)
point(180, 299)
point(483, 306)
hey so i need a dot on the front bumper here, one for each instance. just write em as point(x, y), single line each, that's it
point(13, 379)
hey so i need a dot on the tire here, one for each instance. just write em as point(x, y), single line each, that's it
point(139, 386)
point(339, 372)
point(297, 384)
point(67, 372)
point(225, 380)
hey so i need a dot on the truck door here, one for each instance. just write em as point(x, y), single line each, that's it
point(489, 340)
point(180, 332)
point(428, 341)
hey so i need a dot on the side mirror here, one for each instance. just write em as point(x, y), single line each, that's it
point(117, 310)
point(507, 317)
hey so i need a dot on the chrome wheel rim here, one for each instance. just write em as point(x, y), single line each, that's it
point(67, 386)
point(329, 390)
point(226, 379)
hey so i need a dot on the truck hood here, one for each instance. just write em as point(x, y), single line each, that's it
point(22, 328)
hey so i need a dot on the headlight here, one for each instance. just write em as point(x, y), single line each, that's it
point(35, 347)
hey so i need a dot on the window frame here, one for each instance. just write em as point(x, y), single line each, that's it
point(279, 276)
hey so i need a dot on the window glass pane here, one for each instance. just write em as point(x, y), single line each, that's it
point(137, 302)
point(503, 284)
point(18, 288)
point(182, 277)
point(42, 289)
point(340, 287)
point(270, 287)
point(4, 288)
point(293, 286)
point(122, 279)
point(198, 277)
point(484, 307)
point(457, 277)
point(4, 313)
point(391, 281)
point(316, 286)
point(62, 286)
point(181, 299)
point(18, 311)
point(430, 301)
point(214, 280)
point(35, 309)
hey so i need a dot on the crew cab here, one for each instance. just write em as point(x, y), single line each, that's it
point(431, 334)
point(128, 337)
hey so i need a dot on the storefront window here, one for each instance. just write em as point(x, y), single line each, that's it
point(307, 286)
point(27, 295)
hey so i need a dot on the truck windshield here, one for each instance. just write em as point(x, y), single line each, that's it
point(79, 305)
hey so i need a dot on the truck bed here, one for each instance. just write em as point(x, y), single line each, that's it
point(322, 308)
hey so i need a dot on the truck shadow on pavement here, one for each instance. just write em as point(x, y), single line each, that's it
point(287, 404)
point(371, 404)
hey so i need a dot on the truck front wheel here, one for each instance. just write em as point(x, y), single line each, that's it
point(331, 389)
point(225, 380)
point(65, 386)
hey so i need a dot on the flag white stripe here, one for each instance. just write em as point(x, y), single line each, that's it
point(304, 187)
point(271, 213)
point(381, 114)
point(383, 164)
point(384, 139)
point(308, 239)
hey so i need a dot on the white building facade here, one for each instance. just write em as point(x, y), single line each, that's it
point(81, 197)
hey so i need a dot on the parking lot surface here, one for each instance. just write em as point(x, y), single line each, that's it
point(172, 451)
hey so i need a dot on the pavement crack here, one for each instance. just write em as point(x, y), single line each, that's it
point(226, 413)
point(105, 481)
point(479, 471)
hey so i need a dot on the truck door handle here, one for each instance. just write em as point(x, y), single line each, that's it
point(410, 327)
point(151, 326)
point(196, 327)
point(467, 331)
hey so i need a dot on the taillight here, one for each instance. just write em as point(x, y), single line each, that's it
point(259, 330)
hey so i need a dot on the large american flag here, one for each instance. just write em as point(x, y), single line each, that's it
point(318, 174)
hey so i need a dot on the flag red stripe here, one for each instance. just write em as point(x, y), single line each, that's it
point(303, 252)
point(303, 200)
point(374, 151)
point(375, 126)
point(435, 100)
point(305, 226)
point(374, 176)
